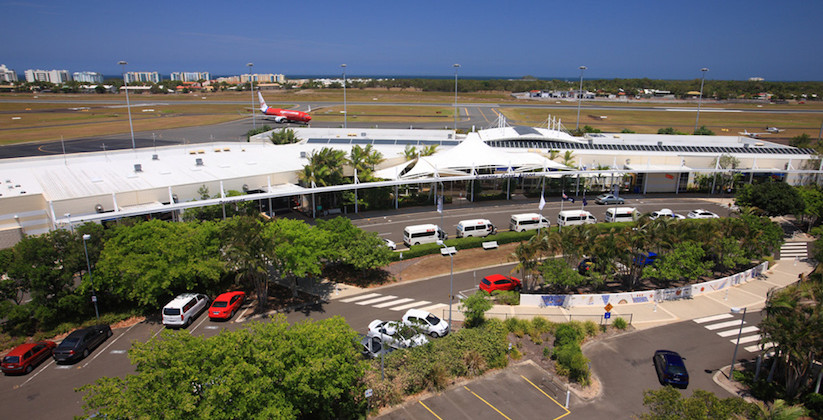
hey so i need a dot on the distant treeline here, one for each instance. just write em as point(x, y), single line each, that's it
point(720, 89)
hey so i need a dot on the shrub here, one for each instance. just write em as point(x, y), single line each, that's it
point(515, 354)
point(547, 352)
point(506, 297)
point(620, 323)
point(569, 333)
point(591, 328)
point(570, 359)
point(516, 326)
point(543, 325)
point(474, 308)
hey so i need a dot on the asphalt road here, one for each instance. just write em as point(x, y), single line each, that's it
point(623, 363)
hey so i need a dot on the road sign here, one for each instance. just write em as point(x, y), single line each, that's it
point(609, 307)
point(607, 315)
point(368, 393)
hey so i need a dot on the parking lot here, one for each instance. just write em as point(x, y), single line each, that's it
point(522, 391)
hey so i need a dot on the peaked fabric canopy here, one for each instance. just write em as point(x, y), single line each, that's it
point(471, 154)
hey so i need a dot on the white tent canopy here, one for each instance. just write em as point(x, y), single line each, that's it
point(470, 155)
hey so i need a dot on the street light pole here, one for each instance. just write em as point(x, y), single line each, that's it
point(580, 98)
point(128, 104)
point(739, 333)
point(251, 85)
point(700, 99)
point(345, 113)
point(451, 279)
point(456, 66)
point(88, 265)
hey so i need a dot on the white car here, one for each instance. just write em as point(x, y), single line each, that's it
point(372, 346)
point(183, 309)
point(426, 321)
point(702, 214)
point(395, 334)
point(666, 213)
point(390, 243)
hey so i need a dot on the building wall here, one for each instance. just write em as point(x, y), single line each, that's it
point(142, 76)
point(87, 77)
point(7, 75)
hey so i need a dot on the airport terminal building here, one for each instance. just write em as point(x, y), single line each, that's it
point(39, 194)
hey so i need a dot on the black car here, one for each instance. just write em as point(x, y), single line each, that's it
point(79, 343)
point(670, 369)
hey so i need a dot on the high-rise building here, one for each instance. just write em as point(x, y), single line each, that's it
point(142, 76)
point(263, 78)
point(7, 75)
point(51, 76)
point(87, 77)
point(190, 76)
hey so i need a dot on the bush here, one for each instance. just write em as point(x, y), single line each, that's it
point(474, 308)
point(620, 323)
point(516, 326)
point(547, 352)
point(543, 325)
point(591, 328)
point(569, 333)
point(506, 297)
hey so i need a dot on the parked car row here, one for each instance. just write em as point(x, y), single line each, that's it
point(431, 233)
point(76, 346)
point(184, 308)
point(386, 336)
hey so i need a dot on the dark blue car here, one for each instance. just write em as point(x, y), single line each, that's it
point(670, 369)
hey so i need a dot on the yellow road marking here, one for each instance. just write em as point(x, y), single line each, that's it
point(483, 114)
point(493, 110)
point(430, 410)
point(466, 110)
point(487, 403)
point(555, 401)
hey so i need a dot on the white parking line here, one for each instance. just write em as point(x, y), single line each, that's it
point(366, 296)
point(745, 330)
point(394, 302)
point(411, 305)
point(239, 318)
point(191, 331)
point(163, 327)
point(713, 318)
point(722, 325)
point(103, 350)
point(38, 372)
point(375, 300)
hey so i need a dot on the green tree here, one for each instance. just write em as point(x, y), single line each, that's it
point(557, 273)
point(686, 260)
point(264, 371)
point(475, 307)
point(283, 136)
point(298, 249)
point(668, 403)
point(779, 410)
point(247, 253)
point(773, 198)
point(703, 131)
point(152, 261)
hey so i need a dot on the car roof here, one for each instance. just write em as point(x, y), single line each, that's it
point(21, 349)
point(495, 277)
point(416, 312)
point(180, 300)
point(228, 295)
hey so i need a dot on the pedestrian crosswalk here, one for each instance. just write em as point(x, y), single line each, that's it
point(791, 250)
point(726, 327)
point(393, 303)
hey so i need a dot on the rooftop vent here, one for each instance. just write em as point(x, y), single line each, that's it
point(138, 167)
point(198, 162)
point(155, 157)
point(660, 143)
point(302, 155)
point(98, 208)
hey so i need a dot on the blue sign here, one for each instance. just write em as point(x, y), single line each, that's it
point(607, 315)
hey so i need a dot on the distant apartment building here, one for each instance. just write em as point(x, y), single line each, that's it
point(190, 76)
point(7, 75)
point(263, 78)
point(232, 80)
point(51, 76)
point(87, 77)
point(142, 76)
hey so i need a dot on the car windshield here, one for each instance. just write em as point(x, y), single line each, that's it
point(433, 319)
point(485, 281)
point(220, 304)
point(70, 342)
point(171, 311)
point(677, 370)
point(11, 359)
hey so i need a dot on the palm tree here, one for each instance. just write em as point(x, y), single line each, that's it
point(568, 158)
point(410, 153)
point(246, 252)
point(780, 410)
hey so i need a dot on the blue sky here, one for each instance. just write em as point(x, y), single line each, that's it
point(615, 39)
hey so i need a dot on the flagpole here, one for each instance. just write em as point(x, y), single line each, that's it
point(562, 193)
point(542, 201)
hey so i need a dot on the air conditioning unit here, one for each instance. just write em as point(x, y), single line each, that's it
point(154, 157)
point(198, 161)
point(138, 167)
point(302, 155)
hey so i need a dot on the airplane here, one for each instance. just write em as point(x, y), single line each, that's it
point(283, 115)
point(752, 135)
point(774, 130)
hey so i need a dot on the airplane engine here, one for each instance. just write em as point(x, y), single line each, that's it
point(280, 119)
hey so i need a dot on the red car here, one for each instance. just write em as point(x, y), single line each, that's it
point(25, 357)
point(225, 305)
point(499, 282)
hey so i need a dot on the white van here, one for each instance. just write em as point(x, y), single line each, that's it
point(621, 214)
point(575, 217)
point(528, 221)
point(423, 234)
point(475, 227)
point(183, 309)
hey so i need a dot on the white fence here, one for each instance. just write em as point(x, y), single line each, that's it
point(659, 295)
